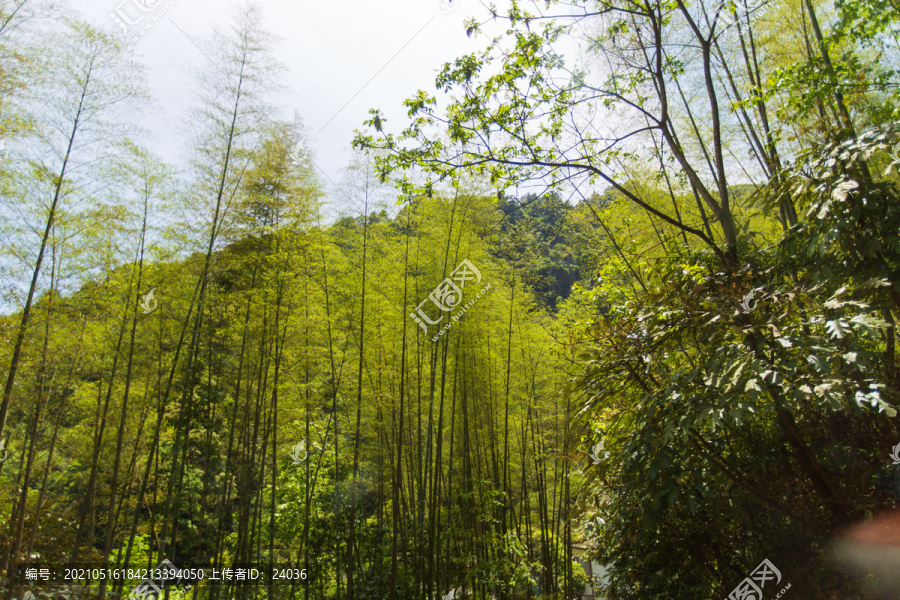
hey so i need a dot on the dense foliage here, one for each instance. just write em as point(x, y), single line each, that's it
point(676, 359)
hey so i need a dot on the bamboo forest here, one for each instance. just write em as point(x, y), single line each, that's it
point(597, 301)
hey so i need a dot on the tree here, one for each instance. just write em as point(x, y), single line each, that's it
point(100, 83)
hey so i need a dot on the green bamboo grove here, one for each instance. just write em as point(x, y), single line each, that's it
point(618, 326)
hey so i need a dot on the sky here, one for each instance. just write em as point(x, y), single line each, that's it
point(342, 59)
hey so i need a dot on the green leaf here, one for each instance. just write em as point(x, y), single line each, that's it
point(837, 328)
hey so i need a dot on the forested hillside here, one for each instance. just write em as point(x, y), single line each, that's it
point(611, 323)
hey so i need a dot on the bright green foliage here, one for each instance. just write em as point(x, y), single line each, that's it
point(683, 360)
